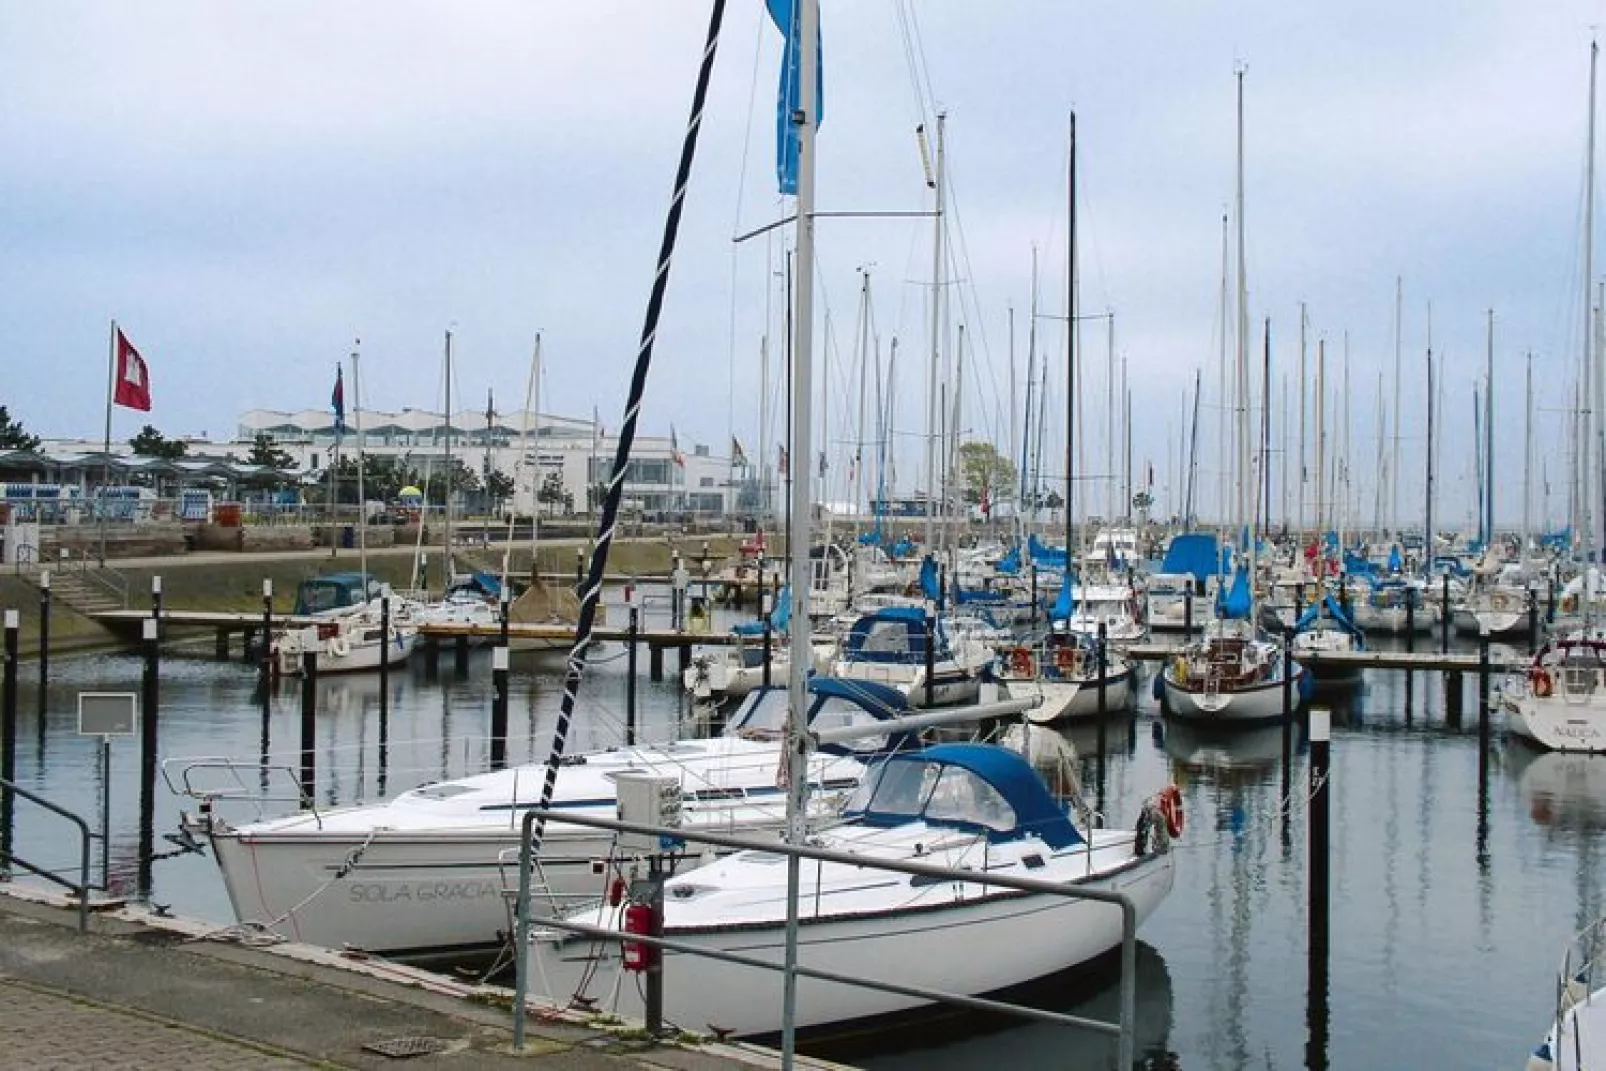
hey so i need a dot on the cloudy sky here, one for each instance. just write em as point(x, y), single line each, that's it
point(248, 187)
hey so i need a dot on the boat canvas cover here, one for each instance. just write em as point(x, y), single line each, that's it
point(1054, 557)
point(902, 788)
point(929, 585)
point(1064, 604)
point(780, 617)
point(1235, 602)
point(1335, 612)
point(331, 592)
point(1193, 553)
point(895, 634)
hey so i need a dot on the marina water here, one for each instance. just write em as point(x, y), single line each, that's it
point(1455, 877)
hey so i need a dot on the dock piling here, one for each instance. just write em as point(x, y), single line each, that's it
point(460, 657)
point(931, 661)
point(630, 675)
point(1316, 1012)
point(150, 704)
point(309, 722)
point(1445, 613)
point(8, 732)
point(432, 658)
point(499, 706)
point(156, 602)
point(1187, 610)
point(44, 637)
point(1410, 618)
point(1483, 684)
point(1101, 665)
point(267, 635)
point(384, 658)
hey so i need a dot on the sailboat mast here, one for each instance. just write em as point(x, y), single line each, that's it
point(1393, 462)
point(1070, 353)
point(1304, 322)
point(1321, 436)
point(934, 375)
point(1427, 539)
point(1245, 470)
point(362, 494)
point(447, 552)
point(1527, 453)
point(1223, 399)
point(1488, 434)
point(1027, 469)
point(864, 367)
point(801, 470)
point(1590, 372)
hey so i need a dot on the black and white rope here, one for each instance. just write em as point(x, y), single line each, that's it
point(591, 592)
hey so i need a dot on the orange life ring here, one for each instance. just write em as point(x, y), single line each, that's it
point(1171, 810)
point(1020, 662)
point(1065, 659)
point(1539, 682)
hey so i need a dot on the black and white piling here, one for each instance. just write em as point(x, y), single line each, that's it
point(8, 731)
point(309, 718)
point(499, 663)
point(384, 660)
point(630, 674)
point(44, 639)
point(149, 725)
point(1316, 1013)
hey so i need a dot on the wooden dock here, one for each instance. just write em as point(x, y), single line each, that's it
point(1459, 661)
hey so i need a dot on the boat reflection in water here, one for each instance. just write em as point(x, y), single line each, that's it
point(961, 1039)
point(1560, 790)
point(1229, 758)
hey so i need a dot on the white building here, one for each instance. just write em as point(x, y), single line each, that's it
point(528, 447)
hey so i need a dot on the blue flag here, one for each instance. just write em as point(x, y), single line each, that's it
point(337, 400)
point(787, 15)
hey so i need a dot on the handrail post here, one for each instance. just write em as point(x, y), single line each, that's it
point(521, 931)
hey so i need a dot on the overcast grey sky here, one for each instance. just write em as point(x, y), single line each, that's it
point(249, 186)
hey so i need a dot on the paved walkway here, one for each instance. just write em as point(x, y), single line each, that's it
point(128, 995)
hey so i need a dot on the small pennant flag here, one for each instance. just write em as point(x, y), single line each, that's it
point(133, 389)
point(738, 455)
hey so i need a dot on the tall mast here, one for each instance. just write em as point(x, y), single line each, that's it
point(1427, 539)
point(1109, 420)
point(1304, 321)
point(1488, 435)
point(864, 366)
point(1591, 407)
point(1223, 398)
point(1320, 442)
point(1527, 454)
point(450, 481)
point(934, 376)
point(1393, 462)
point(1028, 481)
point(1070, 353)
point(1014, 424)
point(801, 469)
point(1245, 470)
point(362, 493)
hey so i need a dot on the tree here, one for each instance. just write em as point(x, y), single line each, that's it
point(269, 456)
point(987, 474)
point(13, 436)
point(152, 443)
point(499, 486)
point(551, 492)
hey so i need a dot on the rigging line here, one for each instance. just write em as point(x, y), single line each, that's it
point(592, 592)
point(736, 225)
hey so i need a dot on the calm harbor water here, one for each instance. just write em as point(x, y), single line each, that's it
point(1456, 874)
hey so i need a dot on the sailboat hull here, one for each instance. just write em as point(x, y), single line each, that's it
point(1240, 706)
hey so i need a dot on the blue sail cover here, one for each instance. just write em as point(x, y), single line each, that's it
point(928, 579)
point(1193, 553)
point(1334, 611)
point(780, 616)
point(895, 634)
point(872, 538)
point(1009, 564)
point(1557, 540)
point(1396, 563)
point(1061, 611)
point(1046, 555)
point(1235, 602)
point(1356, 565)
point(903, 548)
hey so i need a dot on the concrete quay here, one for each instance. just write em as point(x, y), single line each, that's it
point(139, 991)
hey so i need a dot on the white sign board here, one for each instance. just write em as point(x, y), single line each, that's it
point(108, 713)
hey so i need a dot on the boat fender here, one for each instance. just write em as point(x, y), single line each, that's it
point(1171, 810)
point(1140, 839)
point(1158, 687)
point(1498, 601)
point(338, 646)
point(1539, 683)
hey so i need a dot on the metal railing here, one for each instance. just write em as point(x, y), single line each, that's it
point(1124, 1030)
point(10, 858)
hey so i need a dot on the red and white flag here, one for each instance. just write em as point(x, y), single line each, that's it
point(133, 385)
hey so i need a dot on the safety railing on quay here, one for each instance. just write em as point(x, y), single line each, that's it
point(1124, 1030)
point(8, 858)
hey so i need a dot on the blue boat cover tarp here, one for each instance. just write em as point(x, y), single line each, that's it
point(1396, 563)
point(1009, 564)
point(1193, 553)
point(903, 788)
point(1046, 555)
point(1063, 605)
point(1236, 601)
point(929, 587)
point(895, 634)
point(1334, 611)
point(780, 616)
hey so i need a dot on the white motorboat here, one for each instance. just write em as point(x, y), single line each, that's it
point(1577, 1037)
point(1113, 605)
point(962, 806)
point(1561, 703)
point(1169, 602)
point(1064, 675)
point(420, 875)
